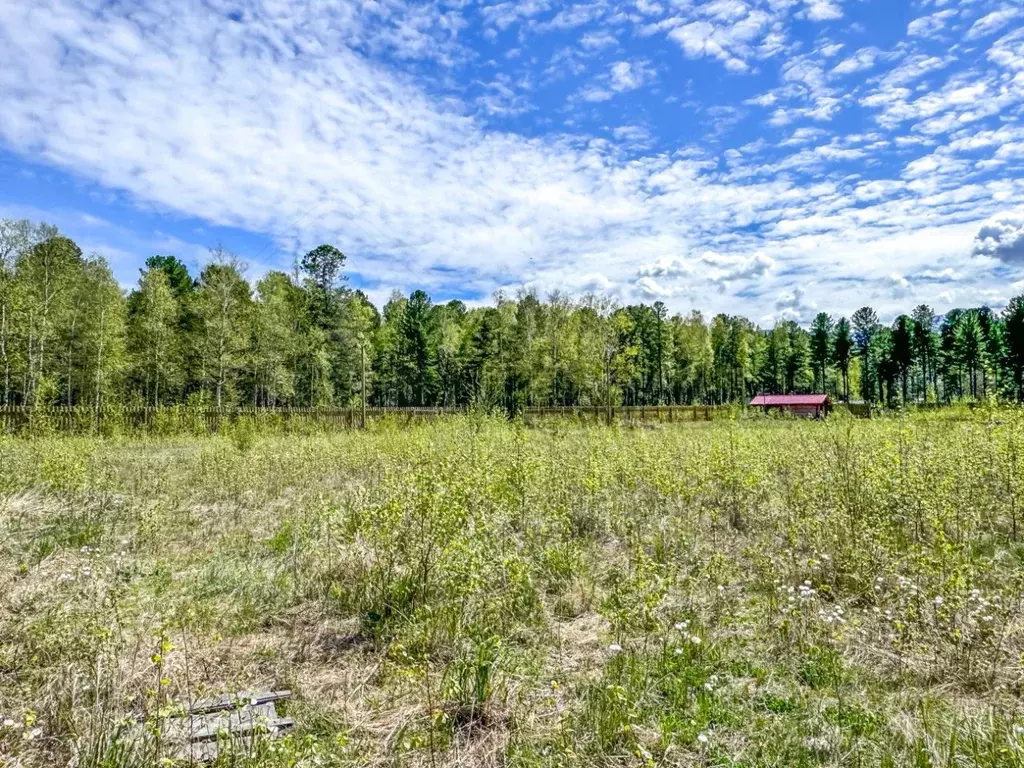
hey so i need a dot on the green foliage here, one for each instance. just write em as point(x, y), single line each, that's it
point(761, 592)
point(67, 333)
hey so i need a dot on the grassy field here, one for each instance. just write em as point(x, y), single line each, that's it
point(474, 593)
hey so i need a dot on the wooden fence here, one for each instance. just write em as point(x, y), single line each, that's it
point(14, 419)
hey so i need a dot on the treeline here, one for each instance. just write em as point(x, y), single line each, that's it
point(70, 336)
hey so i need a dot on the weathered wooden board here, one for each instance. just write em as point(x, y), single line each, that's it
point(238, 718)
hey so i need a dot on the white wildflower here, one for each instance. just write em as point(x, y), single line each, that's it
point(817, 744)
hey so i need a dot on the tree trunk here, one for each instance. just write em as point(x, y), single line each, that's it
point(74, 322)
point(99, 359)
point(3, 354)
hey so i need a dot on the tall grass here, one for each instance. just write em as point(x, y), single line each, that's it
point(472, 592)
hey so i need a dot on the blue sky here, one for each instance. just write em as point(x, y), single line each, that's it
point(771, 158)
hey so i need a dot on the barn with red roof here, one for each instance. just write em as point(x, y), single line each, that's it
point(808, 406)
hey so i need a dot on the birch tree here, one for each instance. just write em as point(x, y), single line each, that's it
point(15, 238)
point(46, 275)
point(224, 303)
point(152, 340)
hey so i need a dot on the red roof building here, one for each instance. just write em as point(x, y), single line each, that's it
point(810, 406)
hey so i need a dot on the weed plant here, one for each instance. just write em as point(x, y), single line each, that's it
point(474, 592)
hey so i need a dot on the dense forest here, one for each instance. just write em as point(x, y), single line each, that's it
point(70, 336)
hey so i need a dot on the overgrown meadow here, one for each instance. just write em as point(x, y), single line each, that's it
point(474, 592)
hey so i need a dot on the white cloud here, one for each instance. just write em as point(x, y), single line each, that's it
point(947, 275)
point(993, 22)
point(792, 305)
point(896, 286)
point(1008, 51)
point(629, 75)
point(597, 40)
point(823, 10)
point(652, 289)
point(725, 37)
point(504, 15)
point(636, 134)
point(803, 135)
point(623, 76)
point(573, 16)
point(649, 8)
point(503, 97)
point(596, 93)
point(320, 124)
point(878, 190)
point(930, 26)
point(912, 68)
point(730, 267)
point(1002, 237)
point(863, 59)
point(670, 267)
point(764, 100)
point(965, 98)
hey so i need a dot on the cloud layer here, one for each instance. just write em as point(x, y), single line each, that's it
point(374, 126)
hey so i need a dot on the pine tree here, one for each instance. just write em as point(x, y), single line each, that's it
point(903, 351)
point(865, 327)
point(924, 344)
point(1013, 329)
point(821, 348)
point(842, 348)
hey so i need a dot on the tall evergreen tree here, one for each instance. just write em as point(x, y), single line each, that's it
point(903, 351)
point(842, 349)
point(969, 347)
point(1013, 325)
point(865, 327)
point(994, 351)
point(821, 348)
point(924, 344)
point(418, 345)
